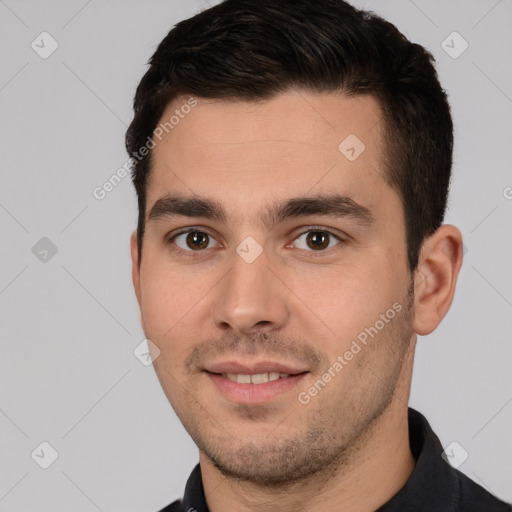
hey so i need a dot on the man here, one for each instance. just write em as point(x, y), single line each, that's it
point(292, 162)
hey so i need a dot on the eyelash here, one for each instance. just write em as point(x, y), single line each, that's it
point(196, 254)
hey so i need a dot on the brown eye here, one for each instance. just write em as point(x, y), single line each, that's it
point(197, 240)
point(318, 239)
point(193, 241)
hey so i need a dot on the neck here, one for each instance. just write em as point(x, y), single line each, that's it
point(379, 466)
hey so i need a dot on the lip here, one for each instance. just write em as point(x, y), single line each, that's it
point(254, 367)
point(252, 394)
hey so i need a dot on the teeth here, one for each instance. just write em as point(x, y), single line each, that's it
point(243, 379)
point(257, 378)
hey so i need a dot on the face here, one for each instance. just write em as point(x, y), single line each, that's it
point(274, 279)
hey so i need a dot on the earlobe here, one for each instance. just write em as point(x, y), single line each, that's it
point(436, 277)
point(135, 265)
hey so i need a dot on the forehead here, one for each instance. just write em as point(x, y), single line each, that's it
point(294, 144)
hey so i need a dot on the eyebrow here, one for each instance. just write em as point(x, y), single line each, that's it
point(332, 205)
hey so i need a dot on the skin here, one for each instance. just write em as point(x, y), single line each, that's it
point(348, 448)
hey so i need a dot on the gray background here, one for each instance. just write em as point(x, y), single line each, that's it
point(69, 321)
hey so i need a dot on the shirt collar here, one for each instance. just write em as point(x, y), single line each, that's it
point(431, 472)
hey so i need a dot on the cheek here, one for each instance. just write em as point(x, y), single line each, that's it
point(164, 298)
point(174, 304)
point(163, 307)
point(344, 301)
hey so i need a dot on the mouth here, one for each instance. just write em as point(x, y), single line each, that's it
point(255, 383)
point(256, 378)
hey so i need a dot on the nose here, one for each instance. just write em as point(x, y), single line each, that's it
point(251, 298)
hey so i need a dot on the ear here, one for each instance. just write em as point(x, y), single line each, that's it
point(435, 277)
point(135, 265)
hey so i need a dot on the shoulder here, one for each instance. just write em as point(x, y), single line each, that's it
point(473, 497)
point(175, 506)
point(193, 500)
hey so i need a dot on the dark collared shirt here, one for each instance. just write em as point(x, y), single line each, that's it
point(434, 486)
